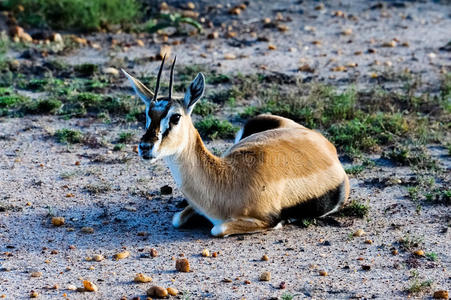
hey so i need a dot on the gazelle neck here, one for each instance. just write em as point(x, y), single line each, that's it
point(195, 168)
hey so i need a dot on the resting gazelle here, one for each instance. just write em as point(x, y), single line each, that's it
point(276, 170)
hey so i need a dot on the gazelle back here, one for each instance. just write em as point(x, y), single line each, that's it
point(276, 170)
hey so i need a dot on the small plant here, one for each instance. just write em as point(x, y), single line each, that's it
point(408, 243)
point(126, 137)
point(414, 192)
point(287, 296)
point(213, 128)
point(432, 256)
point(118, 147)
point(417, 285)
point(171, 20)
point(355, 209)
point(68, 136)
point(46, 106)
point(204, 108)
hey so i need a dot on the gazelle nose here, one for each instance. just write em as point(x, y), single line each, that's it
point(144, 146)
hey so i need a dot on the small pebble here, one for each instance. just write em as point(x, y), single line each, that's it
point(394, 252)
point(229, 56)
point(58, 221)
point(141, 278)
point(166, 190)
point(419, 252)
point(153, 252)
point(366, 267)
point(71, 287)
point(369, 242)
point(87, 230)
point(98, 257)
point(172, 291)
point(265, 276)
point(182, 265)
point(213, 35)
point(390, 44)
point(272, 47)
point(359, 232)
point(323, 273)
point(157, 292)
point(34, 294)
point(282, 285)
point(247, 282)
point(442, 294)
point(215, 254)
point(265, 257)
point(121, 255)
point(36, 274)
point(89, 286)
point(205, 253)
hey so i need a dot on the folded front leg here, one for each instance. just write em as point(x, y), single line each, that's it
point(183, 216)
point(239, 226)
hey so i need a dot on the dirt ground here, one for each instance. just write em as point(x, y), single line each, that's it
point(118, 195)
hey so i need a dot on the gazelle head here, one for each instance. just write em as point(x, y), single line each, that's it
point(168, 120)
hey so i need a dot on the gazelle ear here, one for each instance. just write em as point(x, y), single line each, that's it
point(194, 92)
point(141, 90)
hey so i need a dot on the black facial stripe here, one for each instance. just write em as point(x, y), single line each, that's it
point(166, 132)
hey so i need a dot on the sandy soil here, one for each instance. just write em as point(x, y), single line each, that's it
point(118, 195)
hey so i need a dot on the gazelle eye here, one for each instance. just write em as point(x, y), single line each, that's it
point(175, 118)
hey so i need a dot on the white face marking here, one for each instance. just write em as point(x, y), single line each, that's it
point(147, 117)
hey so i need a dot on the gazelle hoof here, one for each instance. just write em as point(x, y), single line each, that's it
point(218, 230)
point(176, 220)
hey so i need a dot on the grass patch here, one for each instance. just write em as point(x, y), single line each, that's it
point(10, 101)
point(411, 156)
point(118, 147)
point(432, 256)
point(126, 137)
point(355, 121)
point(408, 243)
point(357, 169)
point(75, 14)
point(438, 196)
point(68, 136)
point(418, 285)
point(367, 132)
point(180, 23)
point(45, 106)
point(355, 209)
point(205, 108)
point(213, 128)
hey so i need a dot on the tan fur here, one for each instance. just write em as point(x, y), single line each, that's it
point(264, 173)
point(260, 175)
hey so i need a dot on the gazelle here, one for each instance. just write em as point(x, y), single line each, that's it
point(276, 170)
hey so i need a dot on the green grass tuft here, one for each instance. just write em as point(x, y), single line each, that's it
point(213, 128)
point(355, 209)
point(205, 108)
point(68, 136)
point(79, 15)
point(126, 137)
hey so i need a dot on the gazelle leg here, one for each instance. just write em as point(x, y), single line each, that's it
point(238, 226)
point(183, 216)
